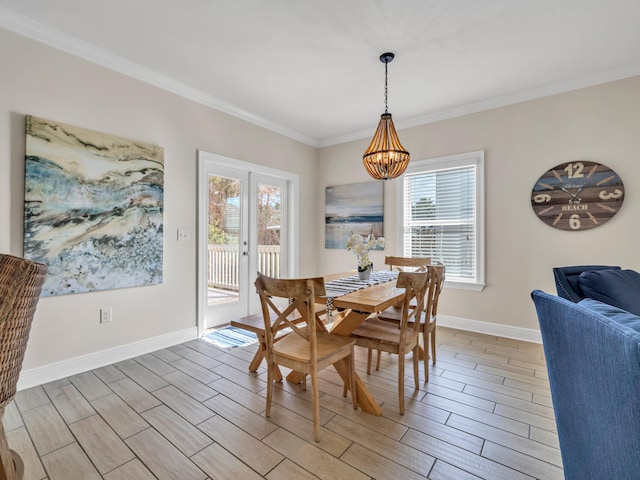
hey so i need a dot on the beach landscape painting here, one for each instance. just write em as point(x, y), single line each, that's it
point(352, 208)
point(93, 208)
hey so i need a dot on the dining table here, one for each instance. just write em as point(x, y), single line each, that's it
point(355, 300)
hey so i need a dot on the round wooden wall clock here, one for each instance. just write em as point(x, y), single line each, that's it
point(577, 195)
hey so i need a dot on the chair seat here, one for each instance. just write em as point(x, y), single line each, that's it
point(375, 331)
point(330, 348)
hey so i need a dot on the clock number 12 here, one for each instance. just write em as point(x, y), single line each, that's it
point(574, 170)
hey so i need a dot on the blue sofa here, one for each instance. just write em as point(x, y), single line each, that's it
point(592, 349)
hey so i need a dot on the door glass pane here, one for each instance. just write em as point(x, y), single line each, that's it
point(269, 200)
point(223, 240)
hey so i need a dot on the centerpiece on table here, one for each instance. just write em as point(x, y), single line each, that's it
point(361, 245)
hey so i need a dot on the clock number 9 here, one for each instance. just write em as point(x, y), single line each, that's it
point(574, 221)
point(608, 196)
point(574, 170)
point(542, 198)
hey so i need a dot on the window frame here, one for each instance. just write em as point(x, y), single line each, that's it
point(447, 162)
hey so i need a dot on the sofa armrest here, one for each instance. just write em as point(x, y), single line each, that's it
point(594, 374)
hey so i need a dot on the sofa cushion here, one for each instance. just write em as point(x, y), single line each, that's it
point(567, 280)
point(615, 314)
point(620, 288)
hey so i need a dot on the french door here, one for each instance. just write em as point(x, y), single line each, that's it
point(244, 228)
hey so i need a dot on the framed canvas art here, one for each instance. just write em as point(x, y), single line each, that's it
point(93, 209)
point(353, 208)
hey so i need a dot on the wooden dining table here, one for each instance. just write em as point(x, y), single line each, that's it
point(356, 306)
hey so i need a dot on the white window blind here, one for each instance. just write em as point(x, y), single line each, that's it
point(440, 214)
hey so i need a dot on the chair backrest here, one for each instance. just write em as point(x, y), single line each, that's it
point(301, 294)
point(436, 285)
point(416, 285)
point(20, 285)
point(400, 263)
point(566, 279)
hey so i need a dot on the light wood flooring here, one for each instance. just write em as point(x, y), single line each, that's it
point(193, 411)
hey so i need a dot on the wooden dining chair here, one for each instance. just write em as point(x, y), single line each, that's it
point(402, 338)
point(20, 285)
point(309, 347)
point(255, 324)
point(401, 263)
point(428, 316)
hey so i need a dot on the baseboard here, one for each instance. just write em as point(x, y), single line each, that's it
point(517, 333)
point(55, 371)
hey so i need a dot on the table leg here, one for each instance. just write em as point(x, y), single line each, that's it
point(365, 399)
point(344, 327)
point(257, 358)
point(348, 323)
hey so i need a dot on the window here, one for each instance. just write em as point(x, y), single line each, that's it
point(443, 211)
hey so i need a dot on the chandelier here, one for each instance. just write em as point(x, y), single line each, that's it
point(386, 157)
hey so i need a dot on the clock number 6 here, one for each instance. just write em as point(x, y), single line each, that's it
point(574, 221)
point(542, 198)
point(574, 170)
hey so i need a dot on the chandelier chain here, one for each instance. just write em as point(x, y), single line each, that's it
point(386, 66)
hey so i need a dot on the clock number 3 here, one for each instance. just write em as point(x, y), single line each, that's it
point(608, 196)
point(574, 170)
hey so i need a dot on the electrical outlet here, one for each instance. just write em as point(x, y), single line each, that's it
point(183, 235)
point(105, 315)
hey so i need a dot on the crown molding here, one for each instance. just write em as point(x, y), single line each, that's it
point(590, 80)
point(29, 28)
point(41, 33)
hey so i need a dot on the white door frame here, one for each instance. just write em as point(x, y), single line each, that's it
point(207, 163)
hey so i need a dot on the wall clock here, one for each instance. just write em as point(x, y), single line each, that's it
point(577, 195)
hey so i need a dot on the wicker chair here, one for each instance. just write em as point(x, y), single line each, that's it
point(20, 285)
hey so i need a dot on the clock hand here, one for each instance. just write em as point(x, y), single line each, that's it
point(562, 187)
point(574, 196)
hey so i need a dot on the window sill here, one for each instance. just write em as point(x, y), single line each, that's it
point(460, 285)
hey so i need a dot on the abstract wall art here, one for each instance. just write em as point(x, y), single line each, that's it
point(352, 208)
point(93, 208)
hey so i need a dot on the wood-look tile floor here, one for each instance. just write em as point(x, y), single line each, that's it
point(193, 411)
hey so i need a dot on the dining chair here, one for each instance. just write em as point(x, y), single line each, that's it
point(400, 339)
point(401, 263)
point(429, 311)
point(20, 286)
point(255, 323)
point(309, 347)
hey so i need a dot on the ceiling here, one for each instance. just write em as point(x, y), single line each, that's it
point(311, 70)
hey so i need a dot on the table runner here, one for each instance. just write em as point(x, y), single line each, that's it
point(342, 286)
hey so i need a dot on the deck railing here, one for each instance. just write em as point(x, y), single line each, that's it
point(223, 260)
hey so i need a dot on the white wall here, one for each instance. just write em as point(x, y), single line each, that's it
point(45, 82)
point(521, 142)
